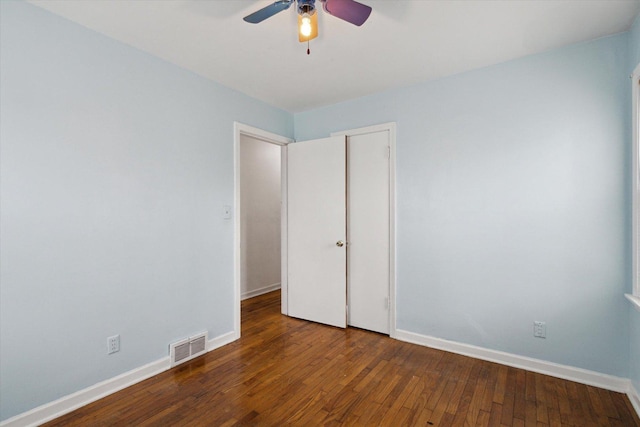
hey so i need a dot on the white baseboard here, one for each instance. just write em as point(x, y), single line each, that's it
point(583, 376)
point(256, 292)
point(71, 402)
point(634, 397)
point(222, 340)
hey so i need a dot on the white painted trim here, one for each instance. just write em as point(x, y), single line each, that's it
point(73, 401)
point(583, 376)
point(284, 235)
point(241, 128)
point(221, 341)
point(391, 128)
point(64, 405)
point(634, 397)
point(634, 300)
point(260, 291)
point(272, 138)
point(635, 179)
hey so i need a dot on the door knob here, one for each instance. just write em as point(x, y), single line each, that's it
point(339, 243)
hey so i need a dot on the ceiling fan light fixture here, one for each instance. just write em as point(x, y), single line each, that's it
point(305, 25)
point(348, 10)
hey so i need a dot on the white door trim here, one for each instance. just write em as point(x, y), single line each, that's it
point(391, 128)
point(272, 138)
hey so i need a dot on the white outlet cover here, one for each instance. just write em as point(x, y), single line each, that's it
point(539, 329)
point(113, 344)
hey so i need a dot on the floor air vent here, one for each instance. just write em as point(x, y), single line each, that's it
point(187, 348)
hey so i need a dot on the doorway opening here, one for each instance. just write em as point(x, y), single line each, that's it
point(258, 214)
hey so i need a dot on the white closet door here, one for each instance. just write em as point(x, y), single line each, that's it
point(316, 223)
point(368, 229)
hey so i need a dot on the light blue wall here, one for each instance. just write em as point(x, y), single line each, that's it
point(511, 204)
point(115, 166)
point(634, 44)
point(634, 330)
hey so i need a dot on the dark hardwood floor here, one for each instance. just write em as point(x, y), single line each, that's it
point(285, 371)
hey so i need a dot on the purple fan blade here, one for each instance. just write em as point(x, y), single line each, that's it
point(348, 10)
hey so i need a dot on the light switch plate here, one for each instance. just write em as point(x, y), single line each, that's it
point(226, 212)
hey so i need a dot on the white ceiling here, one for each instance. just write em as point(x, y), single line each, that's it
point(402, 43)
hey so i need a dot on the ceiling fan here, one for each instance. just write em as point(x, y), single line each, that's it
point(347, 10)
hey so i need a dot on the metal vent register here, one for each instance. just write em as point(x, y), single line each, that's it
point(187, 349)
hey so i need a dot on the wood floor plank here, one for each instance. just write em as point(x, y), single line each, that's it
point(483, 419)
point(461, 381)
point(496, 414)
point(467, 395)
point(397, 403)
point(501, 384)
point(475, 403)
point(607, 403)
point(509, 398)
point(286, 371)
point(489, 391)
point(519, 396)
point(541, 401)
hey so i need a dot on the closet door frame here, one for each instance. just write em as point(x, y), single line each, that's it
point(391, 128)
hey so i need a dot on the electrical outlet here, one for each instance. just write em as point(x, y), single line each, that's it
point(113, 344)
point(539, 329)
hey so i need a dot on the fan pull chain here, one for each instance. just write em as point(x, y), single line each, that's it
point(308, 50)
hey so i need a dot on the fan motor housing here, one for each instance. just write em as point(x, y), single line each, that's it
point(306, 6)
